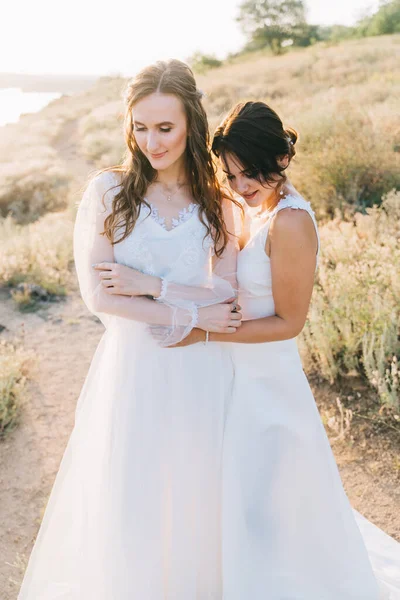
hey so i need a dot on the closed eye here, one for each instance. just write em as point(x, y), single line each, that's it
point(162, 129)
point(251, 174)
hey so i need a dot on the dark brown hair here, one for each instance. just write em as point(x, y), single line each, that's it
point(168, 77)
point(254, 134)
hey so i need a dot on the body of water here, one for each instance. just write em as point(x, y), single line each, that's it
point(14, 102)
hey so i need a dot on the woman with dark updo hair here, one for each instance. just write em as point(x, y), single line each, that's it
point(289, 531)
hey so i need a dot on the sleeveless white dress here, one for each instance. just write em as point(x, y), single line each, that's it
point(135, 510)
point(289, 530)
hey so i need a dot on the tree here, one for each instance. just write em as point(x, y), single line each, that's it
point(386, 20)
point(201, 63)
point(271, 22)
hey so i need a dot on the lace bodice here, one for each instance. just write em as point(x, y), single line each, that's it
point(183, 256)
point(254, 269)
point(182, 253)
point(184, 215)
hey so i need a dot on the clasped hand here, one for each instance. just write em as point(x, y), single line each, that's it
point(220, 318)
point(121, 280)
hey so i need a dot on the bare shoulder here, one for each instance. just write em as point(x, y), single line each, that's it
point(293, 229)
point(289, 222)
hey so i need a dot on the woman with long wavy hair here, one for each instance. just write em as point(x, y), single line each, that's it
point(135, 511)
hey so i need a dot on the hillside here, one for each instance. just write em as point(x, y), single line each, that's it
point(63, 84)
point(343, 99)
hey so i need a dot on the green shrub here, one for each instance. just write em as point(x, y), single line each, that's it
point(385, 20)
point(201, 63)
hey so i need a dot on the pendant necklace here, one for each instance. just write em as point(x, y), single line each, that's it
point(169, 195)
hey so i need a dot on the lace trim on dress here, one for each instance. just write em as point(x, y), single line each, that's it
point(288, 201)
point(163, 293)
point(183, 216)
point(296, 203)
point(291, 201)
point(195, 317)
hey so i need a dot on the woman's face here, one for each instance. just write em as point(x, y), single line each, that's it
point(160, 129)
point(250, 189)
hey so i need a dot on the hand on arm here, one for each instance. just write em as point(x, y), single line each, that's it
point(121, 280)
point(208, 323)
point(91, 248)
point(118, 279)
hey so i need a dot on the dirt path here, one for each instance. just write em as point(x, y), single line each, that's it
point(67, 144)
point(63, 339)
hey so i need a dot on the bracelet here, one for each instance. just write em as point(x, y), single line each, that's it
point(163, 293)
point(207, 338)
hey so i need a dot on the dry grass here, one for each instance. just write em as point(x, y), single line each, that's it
point(104, 145)
point(15, 363)
point(354, 318)
point(33, 188)
point(39, 253)
point(343, 100)
point(33, 176)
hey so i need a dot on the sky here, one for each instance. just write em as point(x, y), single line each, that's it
point(105, 37)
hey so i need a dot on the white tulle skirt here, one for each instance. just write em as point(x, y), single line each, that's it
point(135, 511)
point(289, 530)
point(180, 482)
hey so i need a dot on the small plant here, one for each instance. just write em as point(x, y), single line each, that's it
point(201, 63)
point(35, 259)
point(14, 367)
point(354, 319)
point(32, 188)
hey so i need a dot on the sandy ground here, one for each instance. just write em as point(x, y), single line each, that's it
point(63, 337)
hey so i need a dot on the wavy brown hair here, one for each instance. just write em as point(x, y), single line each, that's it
point(254, 133)
point(168, 77)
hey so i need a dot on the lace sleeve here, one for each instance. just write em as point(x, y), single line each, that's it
point(91, 247)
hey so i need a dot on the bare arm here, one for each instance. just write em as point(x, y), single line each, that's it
point(293, 244)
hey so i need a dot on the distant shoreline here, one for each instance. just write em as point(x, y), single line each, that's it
point(53, 84)
point(14, 103)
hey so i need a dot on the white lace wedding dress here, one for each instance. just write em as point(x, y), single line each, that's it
point(150, 501)
point(289, 532)
point(135, 511)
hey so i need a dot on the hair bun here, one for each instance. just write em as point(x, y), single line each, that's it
point(292, 135)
